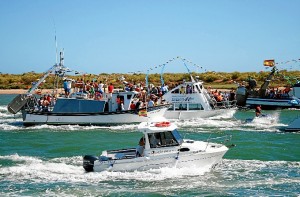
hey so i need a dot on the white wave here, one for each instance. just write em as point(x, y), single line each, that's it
point(70, 169)
point(226, 115)
point(3, 108)
point(207, 123)
point(230, 175)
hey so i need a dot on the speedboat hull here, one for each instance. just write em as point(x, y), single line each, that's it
point(205, 158)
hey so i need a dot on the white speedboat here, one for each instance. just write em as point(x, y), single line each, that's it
point(160, 146)
point(191, 100)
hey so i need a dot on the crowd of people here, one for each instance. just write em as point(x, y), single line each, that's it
point(45, 102)
point(220, 96)
point(277, 93)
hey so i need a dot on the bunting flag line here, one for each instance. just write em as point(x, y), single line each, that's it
point(267, 63)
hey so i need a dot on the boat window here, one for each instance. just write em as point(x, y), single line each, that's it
point(129, 96)
point(135, 96)
point(162, 139)
point(176, 91)
point(154, 139)
point(199, 89)
point(177, 136)
point(196, 106)
point(180, 106)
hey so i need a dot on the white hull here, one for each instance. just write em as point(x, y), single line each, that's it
point(90, 119)
point(271, 103)
point(200, 155)
point(193, 114)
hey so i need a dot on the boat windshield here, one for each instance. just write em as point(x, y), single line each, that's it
point(164, 139)
point(177, 136)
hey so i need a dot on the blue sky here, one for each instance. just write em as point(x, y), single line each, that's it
point(134, 35)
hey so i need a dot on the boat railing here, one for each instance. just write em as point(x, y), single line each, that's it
point(225, 140)
point(33, 105)
point(225, 104)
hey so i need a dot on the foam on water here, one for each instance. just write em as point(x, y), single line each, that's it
point(70, 170)
point(226, 121)
point(230, 175)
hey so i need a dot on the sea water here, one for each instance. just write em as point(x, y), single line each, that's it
point(47, 160)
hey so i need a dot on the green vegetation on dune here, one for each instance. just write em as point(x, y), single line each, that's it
point(218, 80)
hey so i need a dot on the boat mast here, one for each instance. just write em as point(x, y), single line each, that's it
point(264, 86)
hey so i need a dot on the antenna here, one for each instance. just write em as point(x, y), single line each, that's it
point(56, 53)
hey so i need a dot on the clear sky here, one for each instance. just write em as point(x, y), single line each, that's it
point(134, 35)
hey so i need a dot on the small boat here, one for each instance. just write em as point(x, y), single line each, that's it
point(262, 117)
point(249, 97)
point(79, 109)
point(293, 126)
point(161, 145)
point(190, 100)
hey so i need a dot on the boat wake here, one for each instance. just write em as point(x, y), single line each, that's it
point(226, 121)
point(249, 175)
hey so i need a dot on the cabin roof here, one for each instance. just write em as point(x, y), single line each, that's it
point(155, 127)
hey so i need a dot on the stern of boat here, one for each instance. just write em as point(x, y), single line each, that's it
point(88, 162)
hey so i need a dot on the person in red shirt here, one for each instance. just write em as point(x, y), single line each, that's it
point(132, 105)
point(110, 90)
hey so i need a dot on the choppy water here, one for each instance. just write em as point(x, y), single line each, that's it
point(47, 160)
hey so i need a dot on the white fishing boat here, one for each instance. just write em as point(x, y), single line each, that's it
point(79, 109)
point(249, 97)
point(191, 100)
point(160, 146)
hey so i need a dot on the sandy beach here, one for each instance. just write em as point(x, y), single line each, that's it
point(23, 91)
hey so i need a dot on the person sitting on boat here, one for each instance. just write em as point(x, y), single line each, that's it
point(154, 140)
point(118, 100)
point(182, 90)
point(150, 103)
point(140, 148)
point(258, 110)
point(138, 105)
point(122, 106)
point(132, 106)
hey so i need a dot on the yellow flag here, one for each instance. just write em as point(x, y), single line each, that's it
point(269, 63)
point(143, 112)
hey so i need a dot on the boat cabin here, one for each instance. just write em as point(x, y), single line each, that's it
point(189, 96)
point(158, 139)
point(161, 134)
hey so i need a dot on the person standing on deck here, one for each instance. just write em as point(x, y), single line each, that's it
point(67, 87)
point(110, 90)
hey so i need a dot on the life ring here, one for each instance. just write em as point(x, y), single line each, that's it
point(162, 124)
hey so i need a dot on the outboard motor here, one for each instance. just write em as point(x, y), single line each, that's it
point(88, 162)
point(241, 96)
